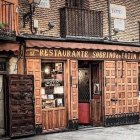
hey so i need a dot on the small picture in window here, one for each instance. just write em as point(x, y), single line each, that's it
point(58, 67)
point(96, 88)
point(59, 102)
point(50, 96)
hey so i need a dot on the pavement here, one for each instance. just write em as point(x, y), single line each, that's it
point(127, 132)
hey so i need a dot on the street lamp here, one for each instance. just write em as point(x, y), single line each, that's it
point(27, 17)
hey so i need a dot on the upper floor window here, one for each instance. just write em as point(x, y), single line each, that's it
point(7, 15)
point(74, 3)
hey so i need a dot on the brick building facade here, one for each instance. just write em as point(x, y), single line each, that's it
point(81, 76)
point(45, 15)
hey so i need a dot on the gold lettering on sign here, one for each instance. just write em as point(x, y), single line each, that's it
point(55, 52)
point(73, 54)
point(32, 53)
point(64, 54)
point(82, 53)
point(41, 52)
point(68, 53)
point(46, 53)
point(91, 54)
point(78, 53)
point(86, 53)
point(50, 52)
point(94, 54)
point(59, 53)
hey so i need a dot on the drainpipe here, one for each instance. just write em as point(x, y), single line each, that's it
point(139, 30)
point(109, 19)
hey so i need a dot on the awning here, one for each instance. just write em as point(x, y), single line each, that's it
point(75, 45)
point(9, 46)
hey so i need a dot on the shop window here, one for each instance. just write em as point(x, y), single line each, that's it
point(74, 3)
point(52, 84)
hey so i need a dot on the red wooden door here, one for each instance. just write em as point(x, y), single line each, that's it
point(96, 86)
point(83, 96)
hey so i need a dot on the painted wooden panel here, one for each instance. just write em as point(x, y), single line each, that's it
point(54, 118)
point(34, 67)
point(132, 87)
point(74, 89)
point(96, 110)
point(110, 88)
point(20, 67)
point(62, 119)
point(121, 87)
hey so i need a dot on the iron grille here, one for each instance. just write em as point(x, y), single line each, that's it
point(83, 90)
point(81, 22)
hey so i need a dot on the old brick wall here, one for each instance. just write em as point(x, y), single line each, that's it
point(131, 32)
point(43, 15)
point(52, 14)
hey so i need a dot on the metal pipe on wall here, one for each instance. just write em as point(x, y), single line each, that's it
point(109, 20)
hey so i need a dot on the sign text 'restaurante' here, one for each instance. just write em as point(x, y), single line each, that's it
point(65, 53)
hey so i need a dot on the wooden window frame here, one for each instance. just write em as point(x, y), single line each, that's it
point(7, 14)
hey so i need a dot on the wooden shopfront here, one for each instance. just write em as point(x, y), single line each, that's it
point(90, 85)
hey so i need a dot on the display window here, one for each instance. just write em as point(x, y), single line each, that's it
point(52, 90)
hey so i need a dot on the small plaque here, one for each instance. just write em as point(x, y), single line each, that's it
point(44, 4)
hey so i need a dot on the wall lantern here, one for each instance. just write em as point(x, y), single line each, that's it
point(28, 17)
point(47, 70)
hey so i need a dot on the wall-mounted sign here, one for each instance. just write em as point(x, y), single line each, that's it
point(118, 11)
point(44, 4)
point(119, 24)
point(86, 54)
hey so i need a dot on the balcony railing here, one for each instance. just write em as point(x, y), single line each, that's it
point(81, 22)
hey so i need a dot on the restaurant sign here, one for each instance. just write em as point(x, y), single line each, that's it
point(87, 54)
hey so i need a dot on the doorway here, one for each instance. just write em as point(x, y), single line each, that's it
point(89, 92)
point(2, 129)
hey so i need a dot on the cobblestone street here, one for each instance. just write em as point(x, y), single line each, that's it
point(127, 132)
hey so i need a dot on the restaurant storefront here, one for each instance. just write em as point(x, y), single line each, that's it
point(83, 83)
